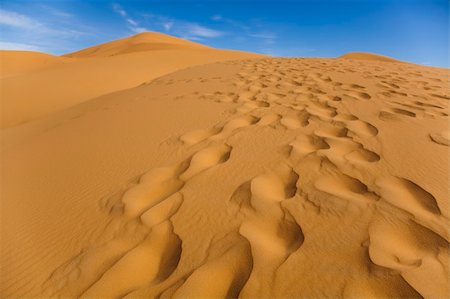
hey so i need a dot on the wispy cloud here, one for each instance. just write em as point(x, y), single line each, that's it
point(56, 11)
point(138, 29)
point(201, 31)
point(23, 32)
point(266, 38)
point(133, 25)
point(181, 28)
point(167, 25)
point(230, 22)
point(23, 22)
point(13, 19)
point(118, 9)
point(247, 29)
point(131, 22)
point(19, 46)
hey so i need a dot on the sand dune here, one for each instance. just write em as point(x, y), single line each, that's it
point(369, 56)
point(145, 41)
point(95, 71)
point(252, 178)
point(14, 63)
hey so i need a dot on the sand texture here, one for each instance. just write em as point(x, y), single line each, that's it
point(253, 177)
point(81, 76)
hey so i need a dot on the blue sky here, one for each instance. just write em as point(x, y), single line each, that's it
point(411, 30)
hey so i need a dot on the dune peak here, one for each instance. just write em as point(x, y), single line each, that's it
point(144, 41)
point(368, 56)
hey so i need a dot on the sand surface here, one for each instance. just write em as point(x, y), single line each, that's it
point(251, 178)
point(56, 83)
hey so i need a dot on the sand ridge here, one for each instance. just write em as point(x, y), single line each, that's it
point(306, 185)
point(368, 56)
point(145, 41)
point(92, 72)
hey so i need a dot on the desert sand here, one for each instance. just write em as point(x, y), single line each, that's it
point(152, 167)
point(77, 77)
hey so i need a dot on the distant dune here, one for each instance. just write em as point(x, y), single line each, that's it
point(369, 56)
point(77, 77)
point(17, 62)
point(147, 41)
point(152, 167)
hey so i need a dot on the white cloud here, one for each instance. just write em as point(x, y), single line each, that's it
point(11, 18)
point(22, 24)
point(139, 29)
point(57, 12)
point(43, 32)
point(118, 9)
point(230, 22)
point(167, 25)
point(133, 24)
point(267, 38)
point(19, 46)
point(181, 28)
point(192, 38)
point(201, 31)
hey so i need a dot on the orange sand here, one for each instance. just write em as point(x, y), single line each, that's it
point(152, 167)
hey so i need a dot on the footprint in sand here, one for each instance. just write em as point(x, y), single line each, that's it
point(154, 186)
point(341, 147)
point(394, 113)
point(344, 117)
point(269, 119)
point(321, 110)
point(135, 259)
point(295, 121)
point(416, 201)
point(218, 132)
point(235, 124)
point(417, 253)
point(75, 276)
point(442, 138)
point(290, 122)
point(224, 273)
point(197, 136)
point(414, 243)
point(160, 183)
point(132, 259)
point(331, 130)
point(345, 187)
point(306, 144)
point(206, 158)
point(271, 230)
point(362, 129)
point(162, 211)
point(152, 260)
point(346, 149)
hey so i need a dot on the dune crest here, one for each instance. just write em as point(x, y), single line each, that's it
point(369, 56)
point(145, 41)
point(18, 62)
point(78, 77)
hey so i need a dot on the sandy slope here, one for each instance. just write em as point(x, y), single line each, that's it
point(138, 43)
point(13, 63)
point(369, 56)
point(94, 71)
point(253, 178)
